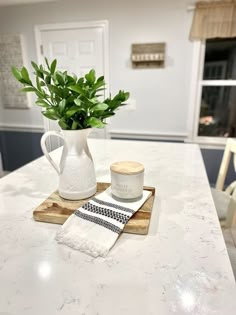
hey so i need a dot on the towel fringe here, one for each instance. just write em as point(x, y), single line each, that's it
point(85, 245)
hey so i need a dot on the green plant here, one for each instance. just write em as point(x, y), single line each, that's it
point(74, 102)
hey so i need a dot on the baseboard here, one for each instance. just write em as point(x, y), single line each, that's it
point(133, 135)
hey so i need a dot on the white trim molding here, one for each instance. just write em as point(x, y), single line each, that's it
point(135, 135)
point(209, 142)
point(21, 128)
point(72, 25)
point(218, 83)
point(195, 89)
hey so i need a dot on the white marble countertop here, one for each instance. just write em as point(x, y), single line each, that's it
point(180, 267)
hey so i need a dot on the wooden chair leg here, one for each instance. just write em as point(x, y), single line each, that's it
point(231, 214)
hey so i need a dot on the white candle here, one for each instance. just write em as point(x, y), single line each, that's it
point(127, 178)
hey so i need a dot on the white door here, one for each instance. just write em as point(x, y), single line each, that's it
point(78, 48)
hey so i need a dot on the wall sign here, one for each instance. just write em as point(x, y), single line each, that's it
point(150, 55)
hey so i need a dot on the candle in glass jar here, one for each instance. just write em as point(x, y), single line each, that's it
point(127, 179)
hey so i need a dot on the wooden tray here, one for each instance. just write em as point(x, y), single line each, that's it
point(56, 210)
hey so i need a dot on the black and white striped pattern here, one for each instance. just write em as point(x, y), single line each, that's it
point(98, 221)
point(120, 217)
point(95, 227)
point(112, 205)
point(106, 214)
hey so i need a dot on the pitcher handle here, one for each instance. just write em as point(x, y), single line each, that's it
point(44, 148)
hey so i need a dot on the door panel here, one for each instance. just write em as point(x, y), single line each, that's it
point(78, 51)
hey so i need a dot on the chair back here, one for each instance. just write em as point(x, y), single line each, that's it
point(231, 212)
point(230, 148)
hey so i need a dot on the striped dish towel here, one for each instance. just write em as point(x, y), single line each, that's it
point(95, 227)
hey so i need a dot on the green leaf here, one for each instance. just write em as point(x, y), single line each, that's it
point(97, 85)
point(121, 96)
point(57, 90)
point(45, 72)
point(38, 84)
point(95, 122)
point(62, 105)
point(47, 63)
point(34, 65)
point(39, 73)
point(71, 80)
point(100, 107)
point(48, 79)
point(90, 77)
point(77, 101)
point(117, 100)
point(74, 125)
point(70, 112)
point(98, 90)
point(39, 94)
point(60, 78)
point(16, 72)
point(67, 93)
point(42, 103)
point(77, 88)
point(51, 114)
point(63, 124)
point(25, 75)
point(80, 81)
point(106, 115)
point(28, 89)
point(127, 94)
point(93, 100)
point(101, 79)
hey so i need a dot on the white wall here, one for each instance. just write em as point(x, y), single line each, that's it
point(161, 94)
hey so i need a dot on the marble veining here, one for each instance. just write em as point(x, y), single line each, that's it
point(180, 267)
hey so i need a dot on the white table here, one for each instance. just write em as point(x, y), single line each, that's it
point(180, 267)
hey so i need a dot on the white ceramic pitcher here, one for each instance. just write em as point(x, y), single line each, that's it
point(76, 172)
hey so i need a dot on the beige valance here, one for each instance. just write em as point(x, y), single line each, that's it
point(214, 19)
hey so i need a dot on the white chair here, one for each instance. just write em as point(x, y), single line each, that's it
point(225, 201)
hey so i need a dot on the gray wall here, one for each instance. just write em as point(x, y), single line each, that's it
point(19, 148)
point(161, 94)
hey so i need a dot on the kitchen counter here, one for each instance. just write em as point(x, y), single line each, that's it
point(180, 267)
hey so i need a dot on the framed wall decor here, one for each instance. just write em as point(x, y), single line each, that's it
point(11, 53)
point(150, 55)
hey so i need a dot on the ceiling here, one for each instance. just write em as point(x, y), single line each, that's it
point(12, 2)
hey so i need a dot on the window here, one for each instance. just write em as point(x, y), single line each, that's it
point(215, 116)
